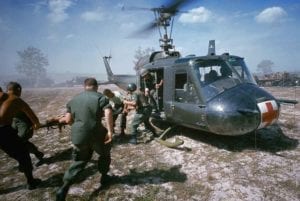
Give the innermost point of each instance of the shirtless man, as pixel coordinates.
(24, 125)
(10, 142)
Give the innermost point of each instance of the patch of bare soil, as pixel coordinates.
(264, 165)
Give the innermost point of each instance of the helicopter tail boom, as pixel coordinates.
(121, 81)
(107, 67)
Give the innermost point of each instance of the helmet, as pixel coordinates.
(131, 87)
(144, 72)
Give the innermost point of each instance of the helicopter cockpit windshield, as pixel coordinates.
(217, 75)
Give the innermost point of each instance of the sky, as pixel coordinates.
(76, 34)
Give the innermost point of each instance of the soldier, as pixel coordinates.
(142, 115)
(23, 124)
(128, 106)
(117, 107)
(10, 142)
(149, 85)
(84, 113)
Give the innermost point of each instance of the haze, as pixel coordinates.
(76, 34)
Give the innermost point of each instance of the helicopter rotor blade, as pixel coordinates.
(146, 30)
(149, 27)
(174, 6)
(166, 11)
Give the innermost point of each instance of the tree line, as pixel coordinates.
(33, 64)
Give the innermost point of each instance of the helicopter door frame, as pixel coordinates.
(159, 77)
(184, 105)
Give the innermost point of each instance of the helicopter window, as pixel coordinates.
(185, 91)
(211, 74)
(190, 93)
(214, 76)
(218, 75)
(180, 80)
(241, 70)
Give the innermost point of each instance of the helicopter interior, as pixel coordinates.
(157, 76)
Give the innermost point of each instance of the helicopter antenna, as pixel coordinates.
(211, 48)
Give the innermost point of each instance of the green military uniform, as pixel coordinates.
(143, 112)
(150, 82)
(88, 133)
(24, 127)
(117, 107)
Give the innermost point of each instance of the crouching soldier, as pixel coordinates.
(142, 115)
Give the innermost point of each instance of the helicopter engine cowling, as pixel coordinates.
(229, 114)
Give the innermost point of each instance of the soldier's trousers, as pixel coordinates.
(82, 153)
(142, 116)
(33, 149)
(152, 99)
(25, 133)
(12, 144)
(123, 120)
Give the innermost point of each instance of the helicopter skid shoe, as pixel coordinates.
(169, 144)
(166, 143)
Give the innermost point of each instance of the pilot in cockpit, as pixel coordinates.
(211, 76)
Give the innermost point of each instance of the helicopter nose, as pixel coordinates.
(269, 113)
(241, 110)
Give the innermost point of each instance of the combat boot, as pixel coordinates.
(133, 139)
(62, 192)
(107, 180)
(32, 184)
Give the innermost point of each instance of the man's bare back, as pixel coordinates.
(10, 105)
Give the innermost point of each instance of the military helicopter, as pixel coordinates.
(211, 93)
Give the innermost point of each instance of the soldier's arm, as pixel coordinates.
(109, 124)
(131, 102)
(67, 119)
(107, 109)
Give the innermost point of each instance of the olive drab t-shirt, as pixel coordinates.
(87, 110)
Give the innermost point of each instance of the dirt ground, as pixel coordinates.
(264, 165)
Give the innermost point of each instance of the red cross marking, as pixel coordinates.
(270, 115)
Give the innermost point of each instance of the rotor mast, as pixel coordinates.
(164, 20)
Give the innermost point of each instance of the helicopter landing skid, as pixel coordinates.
(161, 139)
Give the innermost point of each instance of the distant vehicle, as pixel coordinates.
(212, 93)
